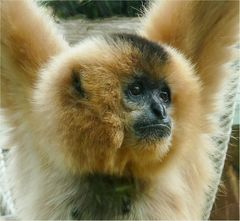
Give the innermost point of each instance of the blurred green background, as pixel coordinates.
(95, 9)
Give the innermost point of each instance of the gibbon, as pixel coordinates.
(117, 126)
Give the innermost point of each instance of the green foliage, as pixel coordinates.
(95, 9)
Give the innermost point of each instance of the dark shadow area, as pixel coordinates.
(95, 9)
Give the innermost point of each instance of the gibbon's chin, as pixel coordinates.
(108, 110)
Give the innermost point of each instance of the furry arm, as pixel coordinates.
(28, 40)
(202, 30)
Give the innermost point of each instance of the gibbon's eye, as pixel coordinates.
(76, 82)
(135, 89)
(165, 95)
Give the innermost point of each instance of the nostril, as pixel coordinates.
(158, 110)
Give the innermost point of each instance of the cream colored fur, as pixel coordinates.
(204, 31)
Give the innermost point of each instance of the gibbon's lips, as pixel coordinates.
(153, 131)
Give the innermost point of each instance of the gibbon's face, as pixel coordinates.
(116, 105)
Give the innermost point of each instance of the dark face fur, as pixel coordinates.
(154, 98)
(144, 92)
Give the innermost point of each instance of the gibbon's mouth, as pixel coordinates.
(153, 131)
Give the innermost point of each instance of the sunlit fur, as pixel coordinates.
(58, 137)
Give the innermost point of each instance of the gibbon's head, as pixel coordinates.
(117, 104)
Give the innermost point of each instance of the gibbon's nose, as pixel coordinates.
(158, 110)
